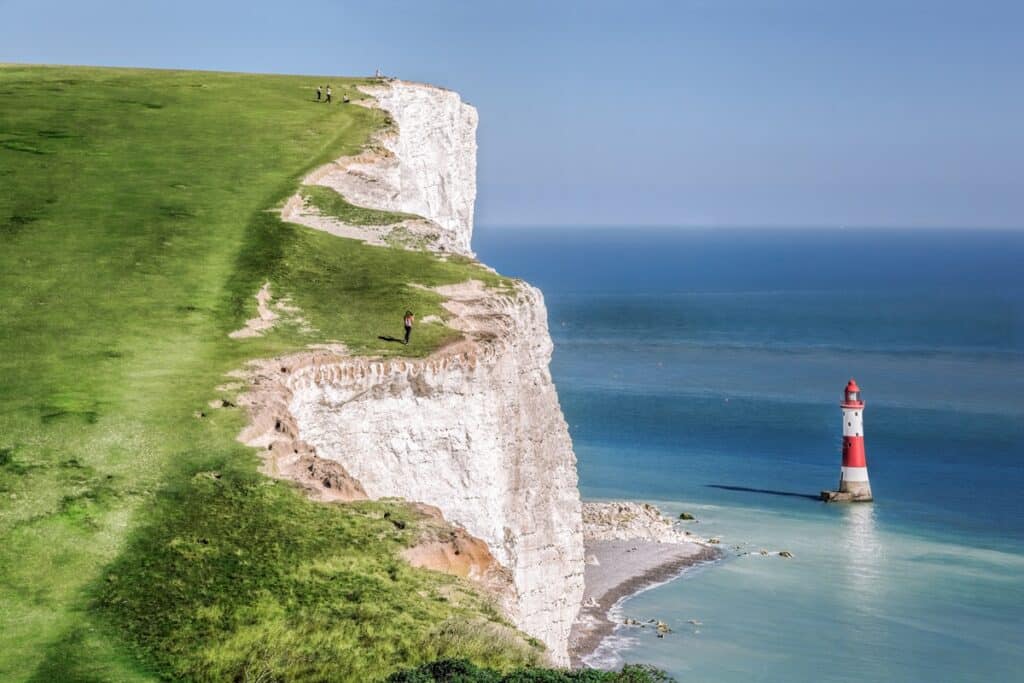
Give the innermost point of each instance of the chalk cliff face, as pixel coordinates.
(425, 165)
(475, 429)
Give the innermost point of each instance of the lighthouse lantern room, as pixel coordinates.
(853, 478)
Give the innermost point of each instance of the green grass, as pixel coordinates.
(258, 584)
(135, 229)
(330, 203)
(355, 294)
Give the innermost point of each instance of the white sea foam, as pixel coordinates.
(606, 655)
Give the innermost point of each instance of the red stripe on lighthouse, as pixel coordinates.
(853, 451)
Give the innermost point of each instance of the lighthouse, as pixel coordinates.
(853, 478)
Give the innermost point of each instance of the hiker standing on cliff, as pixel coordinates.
(328, 94)
(318, 93)
(409, 318)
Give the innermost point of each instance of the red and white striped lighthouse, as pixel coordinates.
(853, 478)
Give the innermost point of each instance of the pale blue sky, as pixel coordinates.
(785, 112)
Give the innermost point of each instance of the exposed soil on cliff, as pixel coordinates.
(446, 548)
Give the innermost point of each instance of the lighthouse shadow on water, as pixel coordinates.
(854, 486)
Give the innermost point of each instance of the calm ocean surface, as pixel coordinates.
(697, 367)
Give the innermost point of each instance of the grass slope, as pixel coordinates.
(135, 228)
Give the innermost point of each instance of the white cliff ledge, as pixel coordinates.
(475, 429)
(423, 164)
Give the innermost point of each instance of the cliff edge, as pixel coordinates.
(475, 429)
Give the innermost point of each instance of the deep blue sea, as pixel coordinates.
(701, 370)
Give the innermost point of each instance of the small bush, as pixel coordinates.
(447, 671)
(462, 671)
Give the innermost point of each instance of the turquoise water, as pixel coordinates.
(701, 370)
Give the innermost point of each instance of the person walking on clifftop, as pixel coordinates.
(409, 318)
(319, 93)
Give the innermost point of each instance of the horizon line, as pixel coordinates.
(750, 226)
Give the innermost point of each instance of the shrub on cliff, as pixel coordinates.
(462, 671)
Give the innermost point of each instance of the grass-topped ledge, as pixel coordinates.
(331, 203)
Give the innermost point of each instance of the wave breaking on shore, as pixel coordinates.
(630, 548)
(611, 637)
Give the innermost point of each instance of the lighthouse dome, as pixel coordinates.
(852, 393)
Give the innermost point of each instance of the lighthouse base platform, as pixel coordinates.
(845, 497)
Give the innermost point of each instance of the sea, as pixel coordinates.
(701, 370)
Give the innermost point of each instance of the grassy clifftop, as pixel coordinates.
(139, 540)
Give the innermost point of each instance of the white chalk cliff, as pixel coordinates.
(424, 164)
(474, 429)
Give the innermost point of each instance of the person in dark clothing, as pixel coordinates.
(328, 94)
(319, 93)
(409, 318)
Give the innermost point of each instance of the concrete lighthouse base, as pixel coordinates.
(847, 496)
(854, 486)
